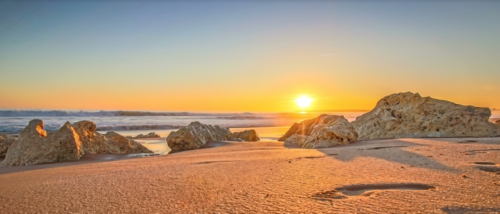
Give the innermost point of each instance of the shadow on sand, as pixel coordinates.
(208, 145)
(393, 150)
(86, 159)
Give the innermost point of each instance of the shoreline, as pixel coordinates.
(145, 131)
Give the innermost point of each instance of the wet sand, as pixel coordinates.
(453, 175)
(157, 145)
(89, 158)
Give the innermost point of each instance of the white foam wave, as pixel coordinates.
(61, 113)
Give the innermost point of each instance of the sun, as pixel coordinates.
(303, 101)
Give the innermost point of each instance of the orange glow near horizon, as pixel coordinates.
(255, 100)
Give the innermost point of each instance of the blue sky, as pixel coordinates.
(346, 54)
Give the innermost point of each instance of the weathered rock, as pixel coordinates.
(5, 142)
(247, 135)
(149, 135)
(410, 115)
(70, 142)
(321, 132)
(93, 142)
(35, 146)
(290, 132)
(118, 144)
(298, 139)
(196, 135)
(338, 132)
(67, 142)
(110, 143)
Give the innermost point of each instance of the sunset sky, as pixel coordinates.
(245, 56)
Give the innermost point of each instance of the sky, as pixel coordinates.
(245, 56)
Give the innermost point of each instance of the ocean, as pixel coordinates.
(140, 122)
(14, 121)
(269, 126)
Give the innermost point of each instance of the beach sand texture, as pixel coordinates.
(431, 175)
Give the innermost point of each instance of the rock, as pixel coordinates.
(290, 132)
(118, 144)
(5, 142)
(67, 142)
(497, 122)
(337, 132)
(35, 146)
(110, 143)
(410, 115)
(70, 142)
(321, 132)
(298, 139)
(247, 135)
(196, 135)
(149, 135)
(93, 142)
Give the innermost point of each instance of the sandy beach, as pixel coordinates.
(433, 175)
(249, 107)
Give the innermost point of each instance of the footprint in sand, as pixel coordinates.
(368, 190)
(473, 152)
(485, 163)
(384, 147)
(488, 167)
(467, 141)
(209, 162)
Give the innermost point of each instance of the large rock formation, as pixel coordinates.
(35, 146)
(410, 115)
(5, 142)
(70, 142)
(247, 135)
(110, 143)
(196, 135)
(320, 132)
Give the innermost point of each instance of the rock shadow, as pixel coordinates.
(391, 150)
(208, 145)
(214, 144)
(291, 146)
(86, 159)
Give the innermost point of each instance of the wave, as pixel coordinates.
(137, 127)
(61, 113)
(14, 121)
(119, 127)
(242, 117)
